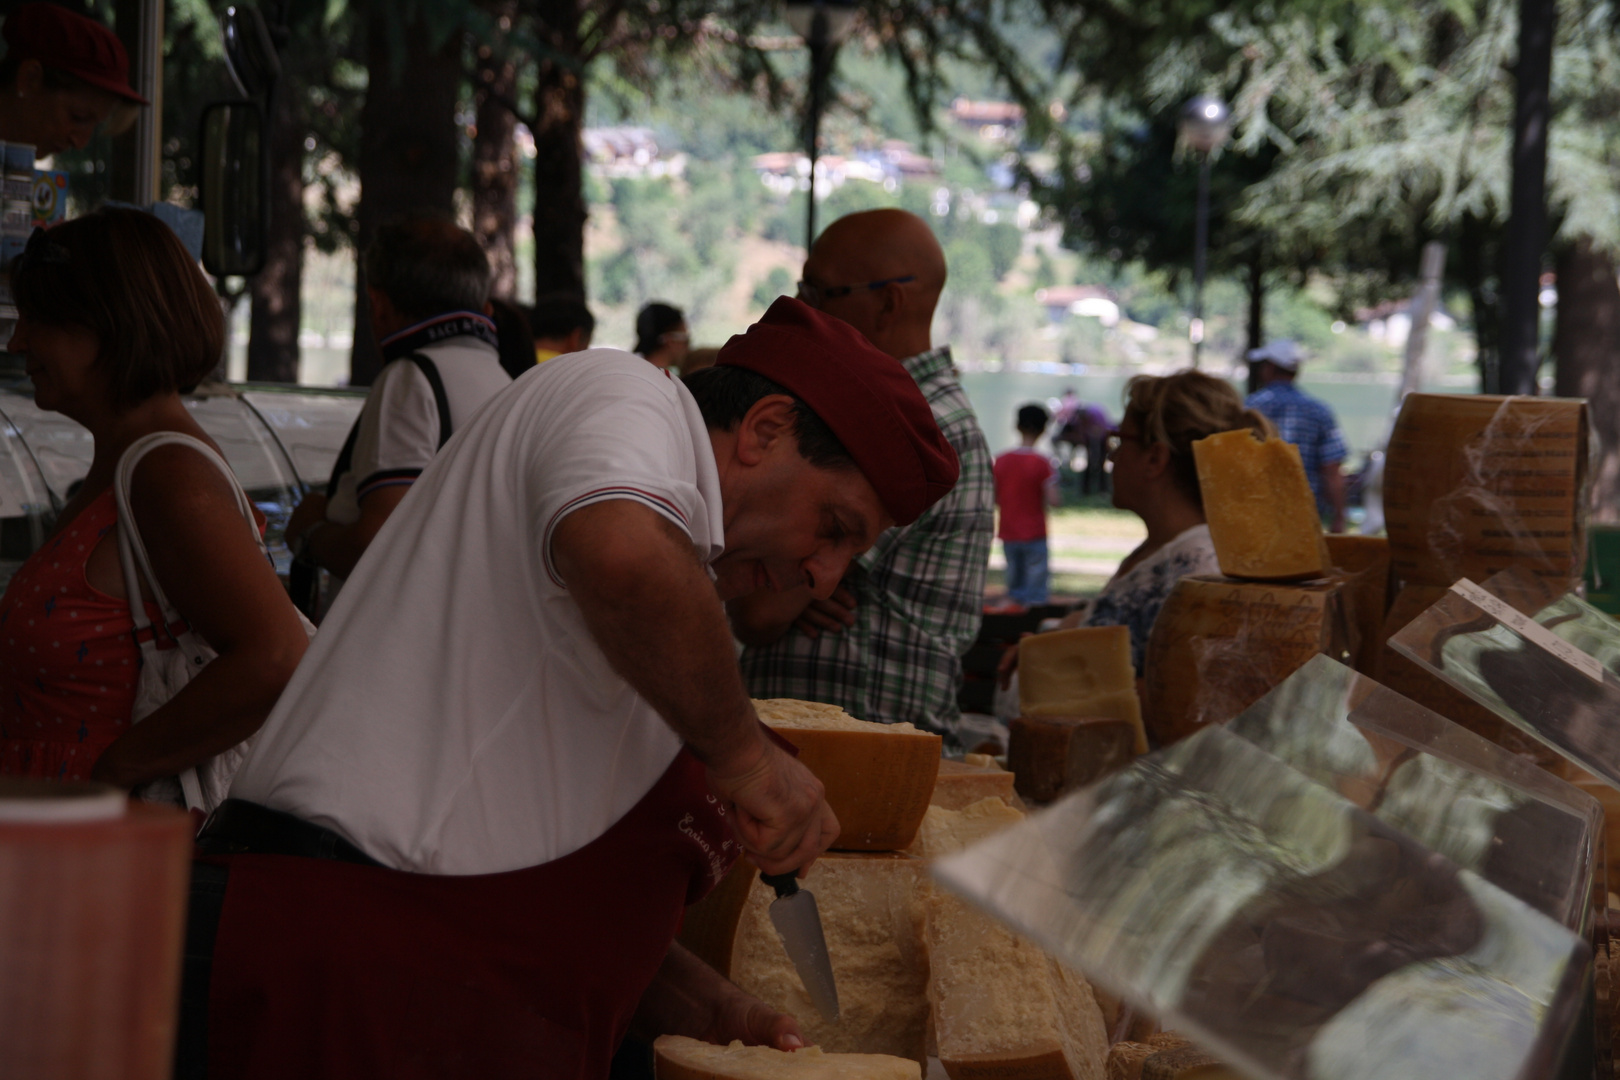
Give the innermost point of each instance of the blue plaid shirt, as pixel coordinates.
(1308, 424)
(919, 594)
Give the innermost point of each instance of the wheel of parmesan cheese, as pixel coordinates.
(678, 1058)
(879, 777)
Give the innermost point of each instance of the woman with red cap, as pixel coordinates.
(63, 76)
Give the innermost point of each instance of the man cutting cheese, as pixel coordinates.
(520, 745)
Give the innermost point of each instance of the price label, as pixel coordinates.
(1529, 629)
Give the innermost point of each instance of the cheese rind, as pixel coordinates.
(1123, 705)
(676, 1057)
(960, 784)
(1364, 563)
(872, 915)
(878, 777)
(1056, 754)
(1263, 519)
(1218, 646)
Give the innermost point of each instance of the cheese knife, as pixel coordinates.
(798, 924)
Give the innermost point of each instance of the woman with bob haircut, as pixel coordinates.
(115, 322)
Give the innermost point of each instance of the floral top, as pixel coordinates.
(1133, 599)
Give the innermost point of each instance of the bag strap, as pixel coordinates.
(441, 401)
(132, 554)
(430, 372)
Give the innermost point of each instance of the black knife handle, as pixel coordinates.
(785, 884)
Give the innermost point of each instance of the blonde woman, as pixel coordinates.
(1156, 479)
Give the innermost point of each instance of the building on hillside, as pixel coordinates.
(1086, 301)
(893, 163)
(994, 121)
(629, 152)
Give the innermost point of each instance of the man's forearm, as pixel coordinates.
(655, 614)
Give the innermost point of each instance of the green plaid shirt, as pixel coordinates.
(919, 594)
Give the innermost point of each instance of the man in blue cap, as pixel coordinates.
(1304, 421)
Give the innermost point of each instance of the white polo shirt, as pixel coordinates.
(454, 715)
(399, 423)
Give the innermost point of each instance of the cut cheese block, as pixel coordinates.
(1429, 690)
(879, 777)
(1086, 671)
(944, 831)
(1263, 519)
(1364, 563)
(1475, 484)
(872, 914)
(959, 784)
(1218, 646)
(1001, 1009)
(675, 1057)
(1051, 755)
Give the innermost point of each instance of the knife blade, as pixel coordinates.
(798, 924)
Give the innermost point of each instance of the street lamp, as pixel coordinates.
(823, 25)
(1206, 124)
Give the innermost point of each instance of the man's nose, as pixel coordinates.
(825, 569)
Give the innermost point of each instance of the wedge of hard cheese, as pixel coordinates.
(1262, 516)
(1082, 672)
(960, 783)
(1002, 1010)
(879, 777)
(675, 1057)
(872, 915)
(1051, 755)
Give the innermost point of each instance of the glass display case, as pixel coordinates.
(280, 442)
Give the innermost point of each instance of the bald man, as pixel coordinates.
(887, 645)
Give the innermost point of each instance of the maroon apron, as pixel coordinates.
(327, 969)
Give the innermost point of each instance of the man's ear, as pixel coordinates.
(894, 306)
(30, 78)
(766, 429)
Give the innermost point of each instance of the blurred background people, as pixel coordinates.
(661, 335)
(1304, 421)
(561, 324)
(1026, 484)
(115, 322)
(63, 76)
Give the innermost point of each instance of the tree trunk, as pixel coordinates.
(559, 160)
(1525, 242)
(276, 307)
(1586, 352)
(1477, 247)
(408, 144)
(1257, 296)
(494, 170)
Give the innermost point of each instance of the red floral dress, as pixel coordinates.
(68, 658)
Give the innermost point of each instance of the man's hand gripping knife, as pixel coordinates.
(655, 614)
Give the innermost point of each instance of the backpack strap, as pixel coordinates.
(430, 372)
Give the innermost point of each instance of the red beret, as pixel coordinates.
(865, 396)
(82, 47)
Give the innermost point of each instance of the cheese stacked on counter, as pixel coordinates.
(879, 777)
(1080, 716)
(1262, 516)
(1165, 1056)
(961, 783)
(679, 1058)
(883, 921)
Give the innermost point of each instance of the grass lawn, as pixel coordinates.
(1086, 538)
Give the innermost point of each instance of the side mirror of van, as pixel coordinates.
(234, 188)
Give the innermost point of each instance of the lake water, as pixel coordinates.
(1364, 404)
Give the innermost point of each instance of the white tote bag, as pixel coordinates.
(165, 671)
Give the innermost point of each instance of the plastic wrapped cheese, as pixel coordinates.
(1219, 645)
(1364, 563)
(1263, 519)
(676, 1057)
(879, 777)
(1475, 484)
